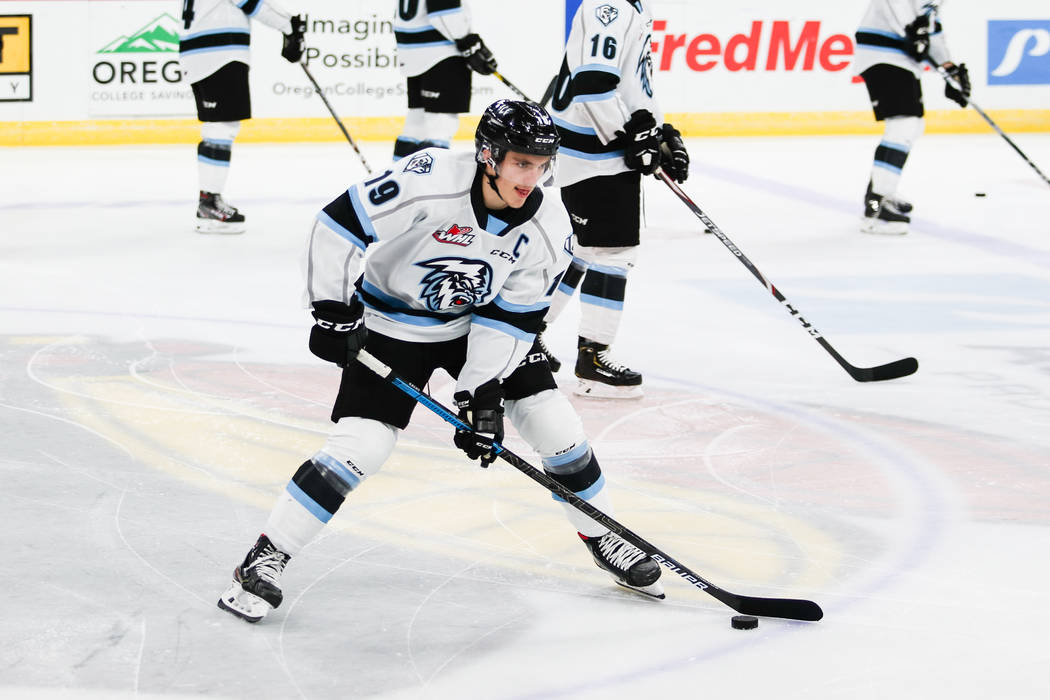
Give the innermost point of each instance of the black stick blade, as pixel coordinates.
(787, 608)
(893, 370)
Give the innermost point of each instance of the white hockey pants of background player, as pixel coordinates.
(602, 290)
(899, 135)
(214, 153)
(358, 448)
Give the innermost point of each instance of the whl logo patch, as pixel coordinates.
(159, 36)
(457, 235)
(1019, 52)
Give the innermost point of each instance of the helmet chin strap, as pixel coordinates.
(492, 178)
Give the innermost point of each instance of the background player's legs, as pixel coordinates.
(602, 295)
(435, 100)
(896, 100)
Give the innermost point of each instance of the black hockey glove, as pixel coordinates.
(483, 412)
(295, 43)
(918, 35)
(641, 142)
(478, 56)
(339, 331)
(961, 76)
(674, 159)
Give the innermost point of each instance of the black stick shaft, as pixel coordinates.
(789, 608)
(320, 93)
(511, 85)
(892, 370)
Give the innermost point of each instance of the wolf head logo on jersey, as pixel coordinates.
(606, 14)
(455, 283)
(420, 164)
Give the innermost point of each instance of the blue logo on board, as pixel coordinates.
(1019, 52)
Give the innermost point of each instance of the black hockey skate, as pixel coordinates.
(882, 215)
(603, 377)
(631, 567)
(540, 346)
(214, 215)
(256, 587)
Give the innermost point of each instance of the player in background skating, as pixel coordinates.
(612, 134)
(471, 249)
(436, 52)
(895, 41)
(214, 53)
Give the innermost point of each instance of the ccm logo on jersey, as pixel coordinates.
(1019, 52)
(457, 235)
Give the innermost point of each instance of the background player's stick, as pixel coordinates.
(342, 128)
(549, 92)
(948, 79)
(789, 608)
(511, 85)
(893, 370)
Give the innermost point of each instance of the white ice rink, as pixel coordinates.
(156, 393)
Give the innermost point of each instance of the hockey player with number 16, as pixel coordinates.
(612, 133)
(464, 252)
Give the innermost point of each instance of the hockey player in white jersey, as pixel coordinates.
(464, 252)
(895, 41)
(214, 53)
(437, 50)
(612, 133)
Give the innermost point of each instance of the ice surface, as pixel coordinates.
(156, 393)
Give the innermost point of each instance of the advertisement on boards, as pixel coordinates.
(16, 58)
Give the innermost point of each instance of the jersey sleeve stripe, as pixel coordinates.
(346, 233)
(503, 327)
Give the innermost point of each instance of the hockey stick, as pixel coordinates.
(549, 92)
(948, 79)
(892, 370)
(342, 128)
(788, 608)
(511, 85)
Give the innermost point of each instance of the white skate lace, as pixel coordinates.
(605, 358)
(621, 553)
(223, 208)
(270, 564)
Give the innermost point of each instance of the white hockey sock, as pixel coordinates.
(213, 154)
(291, 526)
(892, 153)
(583, 523)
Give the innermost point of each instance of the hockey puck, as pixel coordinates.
(979, 194)
(744, 622)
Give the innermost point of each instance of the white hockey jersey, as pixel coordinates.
(439, 264)
(426, 32)
(219, 32)
(606, 75)
(881, 37)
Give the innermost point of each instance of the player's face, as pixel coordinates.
(519, 174)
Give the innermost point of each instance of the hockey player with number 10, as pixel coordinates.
(464, 252)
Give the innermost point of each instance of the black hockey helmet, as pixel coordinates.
(510, 125)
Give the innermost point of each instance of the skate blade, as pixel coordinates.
(220, 227)
(883, 228)
(243, 604)
(597, 390)
(653, 590)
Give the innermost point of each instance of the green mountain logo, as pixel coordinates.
(160, 35)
